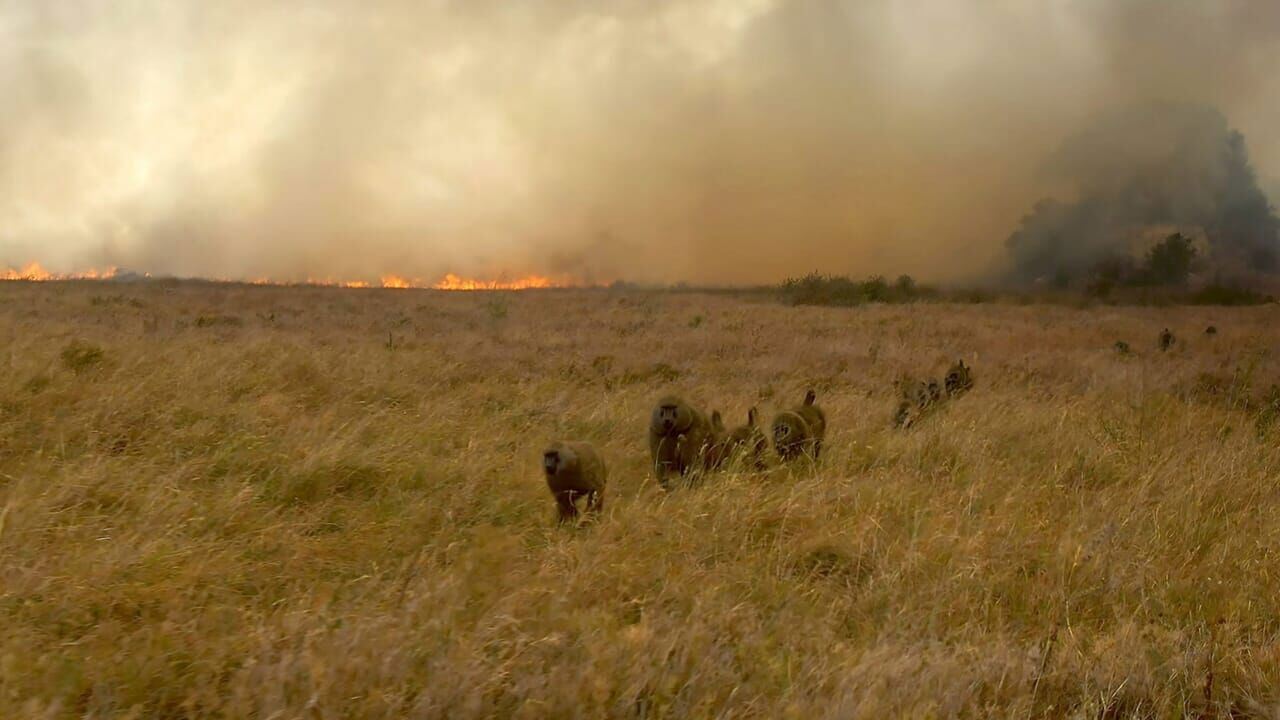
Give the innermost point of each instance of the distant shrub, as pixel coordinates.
(37, 384)
(218, 320)
(839, 290)
(1228, 295)
(659, 371)
(81, 357)
(496, 308)
(115, 300)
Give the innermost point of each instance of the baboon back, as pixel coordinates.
(589, 475)
(815, 419)
(746, 442)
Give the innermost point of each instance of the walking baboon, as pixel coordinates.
(574, 470)
(717, 448)
(959, 379)
(679, 437)
(935, 392)
(1211, 330)
(745, 443)
(800, 431)
(1166, 340)
(916, 397)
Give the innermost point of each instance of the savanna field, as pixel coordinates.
(266, 502)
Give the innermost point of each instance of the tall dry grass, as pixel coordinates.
(304, 503)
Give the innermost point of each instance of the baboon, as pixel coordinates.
(800, 430)
(1166, 340)
(935, 392)
(1211, 330)
(1122, 347)
(959, 379)
(916, 398)
(746, 443)
(717, 447)
(679, 437)
(574, 470)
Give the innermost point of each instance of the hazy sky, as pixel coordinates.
(714, 141)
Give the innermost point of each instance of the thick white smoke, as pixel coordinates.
(704, 140)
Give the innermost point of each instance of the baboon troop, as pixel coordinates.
(684, 443)
(800, 430)
(917, 397)
(574, 470)
(1164, 341)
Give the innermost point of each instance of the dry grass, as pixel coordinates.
(307, 503)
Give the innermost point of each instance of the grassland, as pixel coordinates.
(222, 501)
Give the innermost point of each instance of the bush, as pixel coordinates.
(496, 308)
(1228, 295)
(205, 321)
(840, 290)
(81, 357)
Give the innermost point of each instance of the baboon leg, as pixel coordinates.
(565, 503)
(595, 501)
(663, 470)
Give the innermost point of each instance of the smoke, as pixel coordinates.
(700, 140)
(1156, 167)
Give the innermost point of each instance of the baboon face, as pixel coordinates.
(671, 416)
(958, 378)
(790, 435)
(786, 431)
(553, 461)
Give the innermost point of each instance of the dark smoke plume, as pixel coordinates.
(1139, 173)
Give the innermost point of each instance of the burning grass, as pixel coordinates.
(35, 272)
(288, 515)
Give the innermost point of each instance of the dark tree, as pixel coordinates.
(1169, 263)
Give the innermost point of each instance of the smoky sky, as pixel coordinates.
(710, 141)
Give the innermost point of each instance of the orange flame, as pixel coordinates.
(35, 272)
(529, 282)
(395, 281)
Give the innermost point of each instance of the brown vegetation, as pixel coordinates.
(332, 507)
